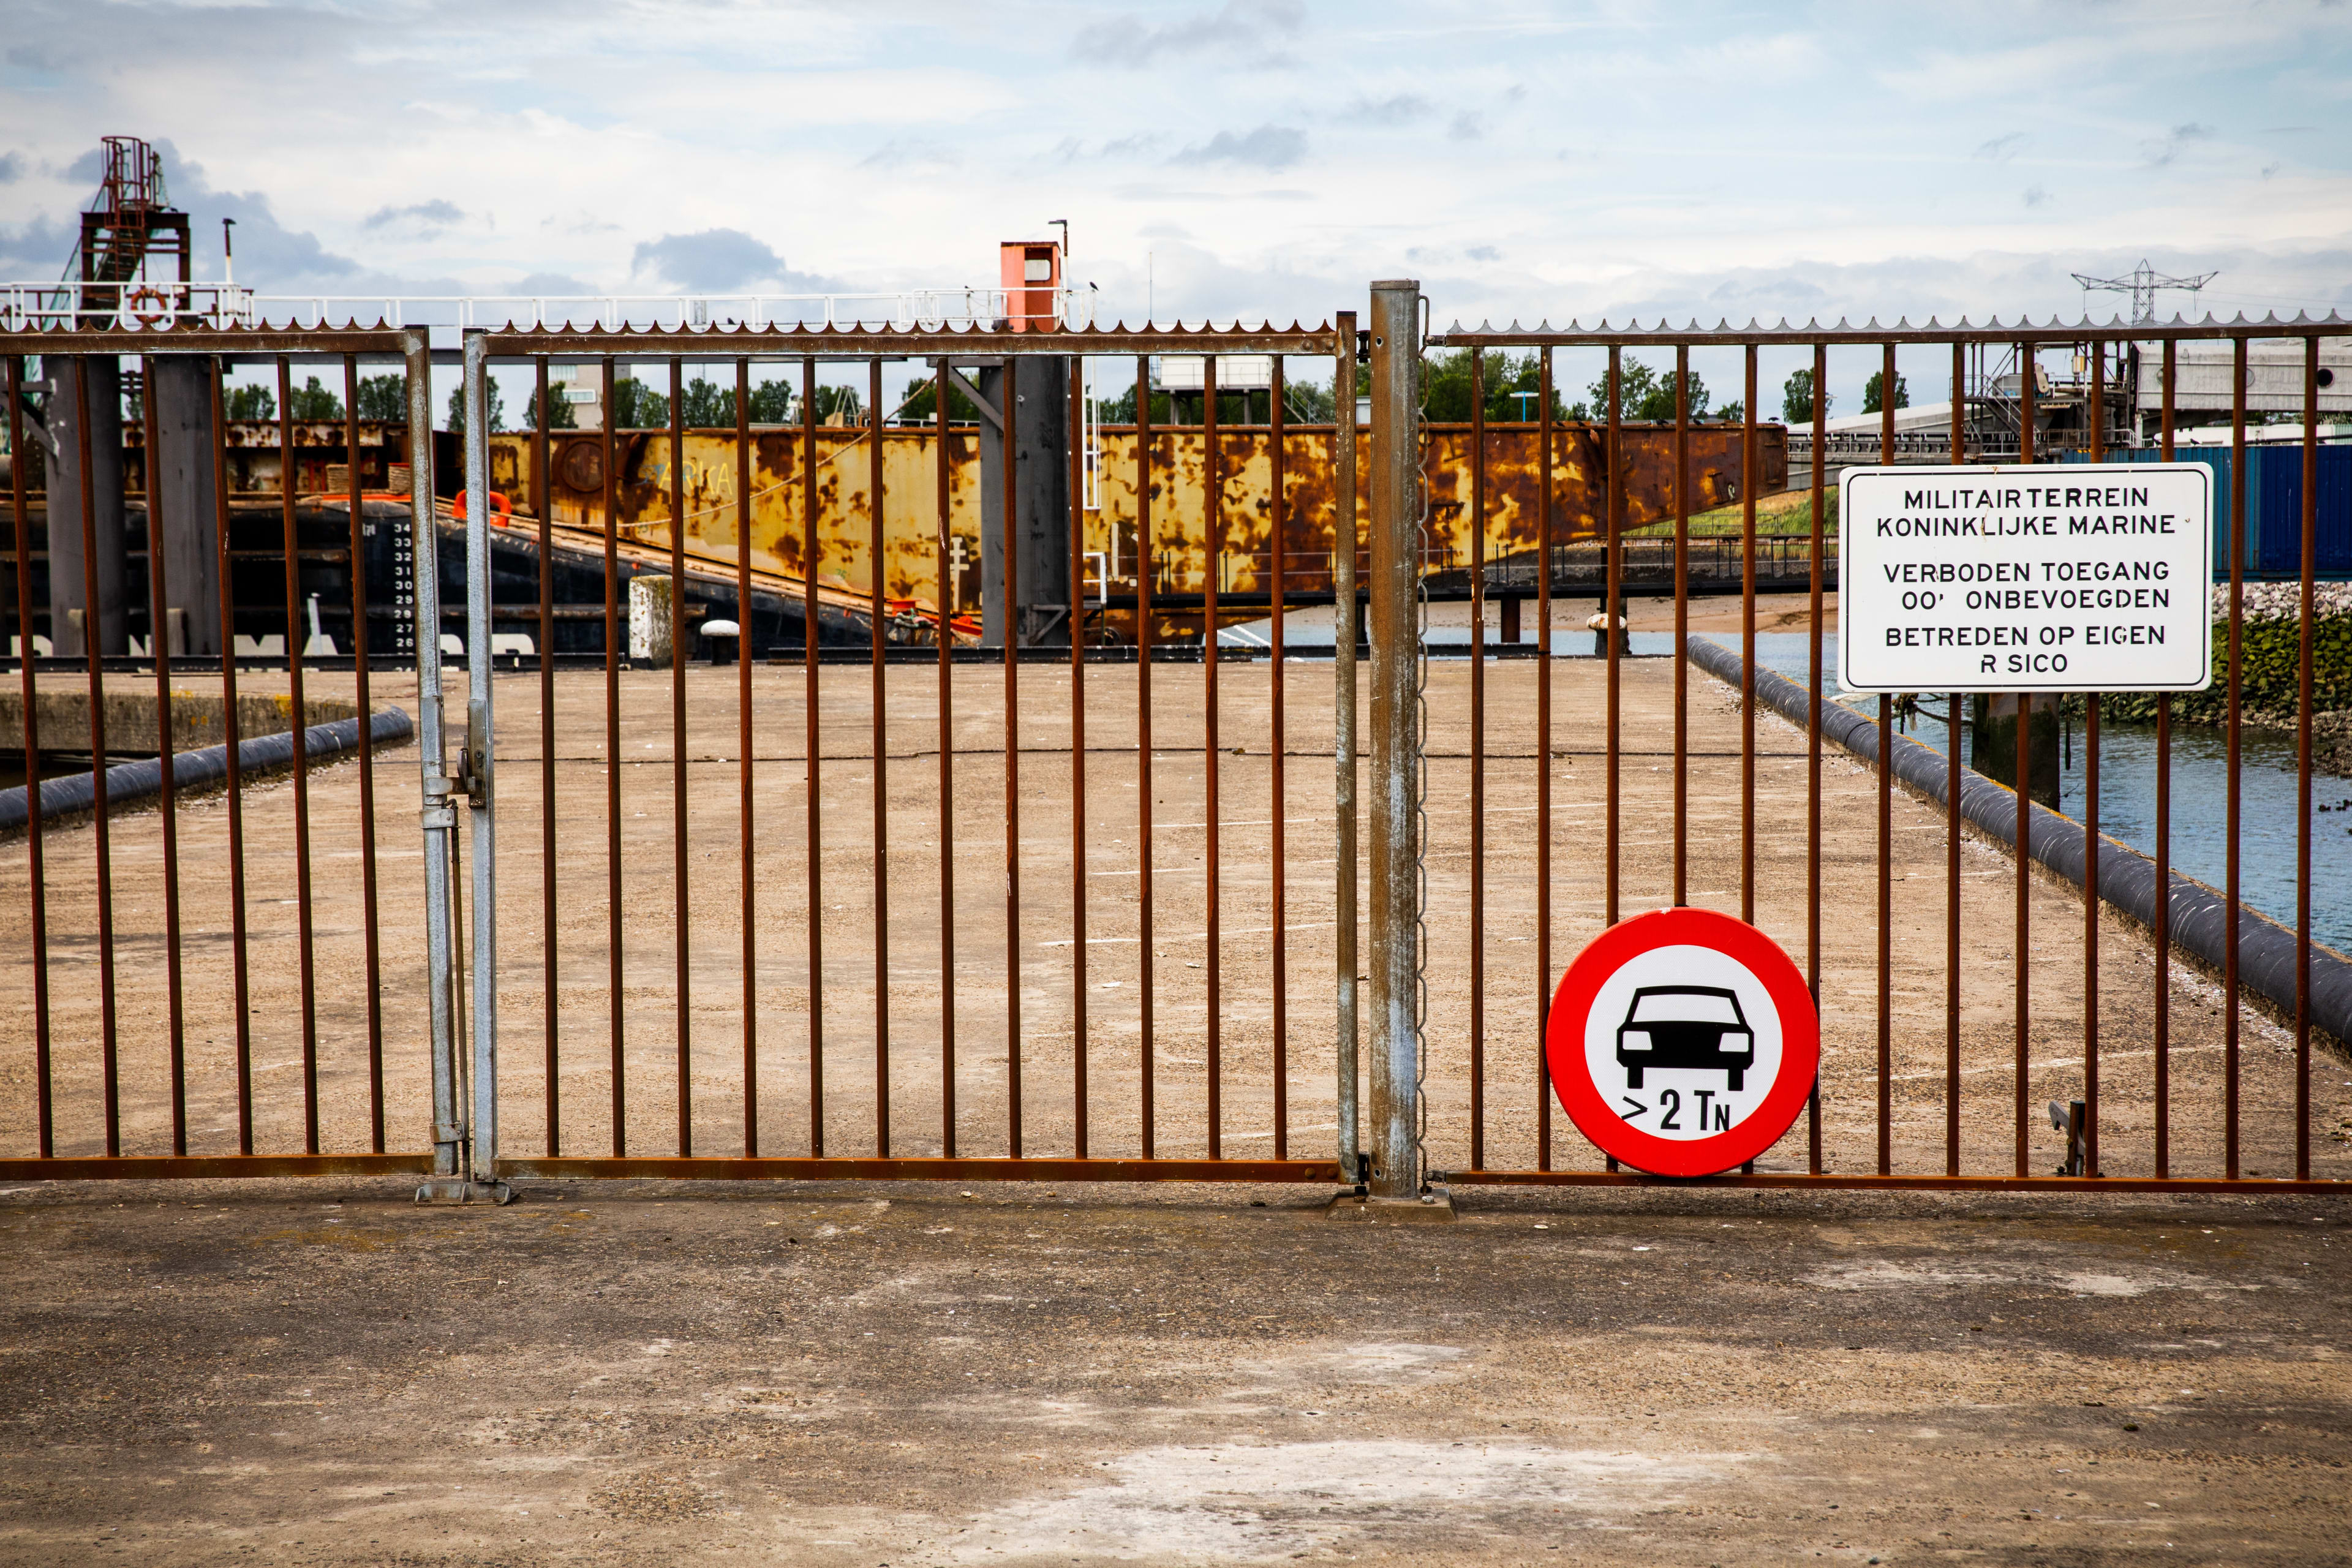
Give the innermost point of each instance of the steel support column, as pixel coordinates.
(1395, 787)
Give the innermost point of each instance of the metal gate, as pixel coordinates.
(873, 902)
(901, 916)
(173, 1019)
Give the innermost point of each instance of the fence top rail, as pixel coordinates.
(1487, 335)
(802, 342)
(236, 341)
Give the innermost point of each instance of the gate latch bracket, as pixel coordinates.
(474, 778)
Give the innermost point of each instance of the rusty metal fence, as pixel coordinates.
(1902, 1105)
(1020, 911)
(149, 1060)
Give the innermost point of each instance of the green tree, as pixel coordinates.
(705, 408)
(1308, 402)
(1797, 398)
(923, 404)
(1445, 387)
(771, 404)
(312, 401)
(457, 409)
(560, 416)
(384, 397)
(1875, 388)
(1641, 393)
(1121, 410)
(1734, 412)
(636, 407)
(251, 403)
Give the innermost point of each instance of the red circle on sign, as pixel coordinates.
(1604, 1123)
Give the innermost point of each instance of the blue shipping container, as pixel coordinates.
(2274, 541)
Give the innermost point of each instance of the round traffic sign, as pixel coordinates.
(1682, 1042)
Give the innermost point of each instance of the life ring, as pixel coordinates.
(147, 294)
(500, 506)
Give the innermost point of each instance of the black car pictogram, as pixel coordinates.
(1686, 1026)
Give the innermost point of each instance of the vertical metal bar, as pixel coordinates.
(1397, 789)
(1278, 528)
(1682, 624)
(158, 601)
(1009, 401)
(1886, 402)
(811, 737)
(93, 643)
(481, 741)
(361, 627)
(232, 735)
(438, 815)
(1477, 759)
(2304, 675)
(747, 844)
(878, 615)
(1612, 472)
(2161, 1024)
(1886, 929)
(1543, 751)
(1951, 815)
(1343, 702)
(1078, 569)
(2090, 935)
(305, 955)
(1748, 466)
(1212, 534)
(947, 597)
(1143, 728)
(615, 981)
(2239, 532)
(2098, 454)
(36, 880)
(543, 502)
(2023, 752)
(680, 894)
(1813, 631)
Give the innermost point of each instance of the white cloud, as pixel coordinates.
(1732, 162)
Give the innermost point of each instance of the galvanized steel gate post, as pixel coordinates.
(1396, 783)
(437, 815)
(465, 1125)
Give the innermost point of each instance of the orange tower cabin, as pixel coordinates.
(1030, 273)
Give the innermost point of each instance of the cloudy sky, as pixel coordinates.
(1260, 159)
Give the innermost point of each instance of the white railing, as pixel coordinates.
(158, 306)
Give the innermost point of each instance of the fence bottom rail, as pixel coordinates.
(206, 1167)
(923, 1169)
(2241, 1187)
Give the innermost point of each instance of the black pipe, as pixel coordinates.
(2266, 950)
(73, 793)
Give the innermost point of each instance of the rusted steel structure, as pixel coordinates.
(636, 938)
(849, 461)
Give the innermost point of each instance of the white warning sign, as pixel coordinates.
(2054, 577)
